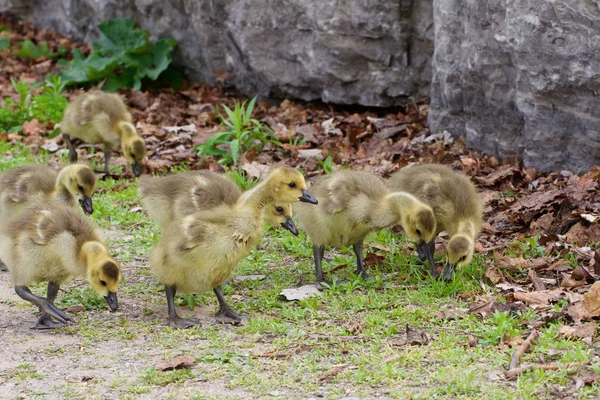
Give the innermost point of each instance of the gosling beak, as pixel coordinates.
(307, 197)
(290, 226)
(447, 272)
(86, 205)
(137, 169)
(111, 299)
(424, 249)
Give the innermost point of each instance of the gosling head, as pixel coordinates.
(281, 214)
(289, 186)
(133, 147)
(419, 225)
(459, 253)
(79, 180)
(103, 273)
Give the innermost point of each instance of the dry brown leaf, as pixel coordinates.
(577, 312)
(175, 363)
(540, 297)
(414, 337)
(32, 128)
(578, 332)
(581, 273)
(256, 170)
(591, 300)
(77, 308)
(492, 274)
(515, 341)
(512, 263)
(373, 259)
(538, 285)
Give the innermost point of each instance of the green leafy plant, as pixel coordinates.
(531, 248)
(124, 56)
(502, 324)
(47, 106)
(326, 164)
(27, 49)
(242, 134)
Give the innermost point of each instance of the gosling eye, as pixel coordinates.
(292, 185)
(80, 188)
(279, 209)
(463, 259)
(418, 232)
(103, 283)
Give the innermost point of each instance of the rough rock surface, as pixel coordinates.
(520, 77)
(370, 52)
(517, 77)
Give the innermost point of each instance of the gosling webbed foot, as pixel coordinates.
(227, 315)
(362, 273)
(323, 284)
(177, 322)
(54, 312)
(434, 272)
(47, 322)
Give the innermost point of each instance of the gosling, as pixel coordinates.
(102, 118)
(49, 242)
(169, 198)
(200, 251)
(21, 185)
(457, 208)
(352, 205)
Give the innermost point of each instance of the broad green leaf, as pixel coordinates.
(124, 80)
(4, 43)
(119, 37)
(97, 67)
(76, 69)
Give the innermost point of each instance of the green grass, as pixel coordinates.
(291, 346)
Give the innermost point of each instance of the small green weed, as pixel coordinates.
(242, 134)
(530, 248)
(163, 378)
(82, 295)
(243, 181)
(124, 56)
(502, 325)
(326, 165)
(47, 106)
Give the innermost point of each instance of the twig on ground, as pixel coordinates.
(551, 367)
(333, 372)
(514, 363)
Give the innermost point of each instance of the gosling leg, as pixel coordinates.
(175, 321)
(360, 267)
(43, 304)
(107, 153)
(224, 309)
(318, 254)
(46, 321)
(72, 151)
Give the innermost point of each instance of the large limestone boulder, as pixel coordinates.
(517, 77)
(370, 52)
(520, 77)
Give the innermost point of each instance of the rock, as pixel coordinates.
(519, 78)
(353, 52)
